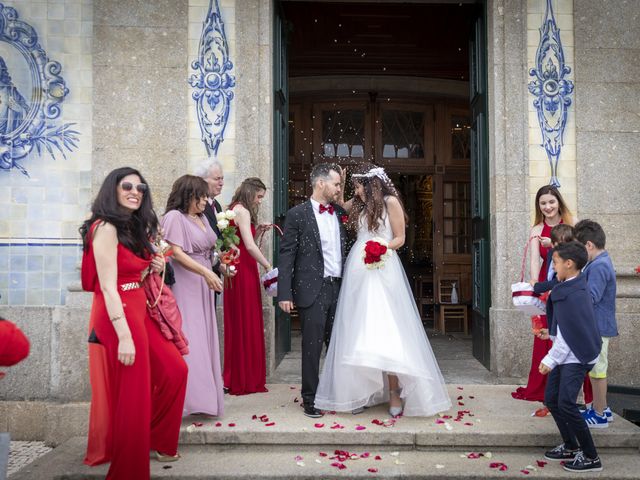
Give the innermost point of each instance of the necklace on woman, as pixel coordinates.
(193, 215)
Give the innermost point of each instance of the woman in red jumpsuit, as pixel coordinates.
(138, 377)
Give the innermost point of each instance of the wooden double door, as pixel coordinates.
(424, 145)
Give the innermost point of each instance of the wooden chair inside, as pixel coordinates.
(451, 312)
(423, 291)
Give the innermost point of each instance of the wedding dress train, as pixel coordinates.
(378, 330)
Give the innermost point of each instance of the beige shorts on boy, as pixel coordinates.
(599, 370)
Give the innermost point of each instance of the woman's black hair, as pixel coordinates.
(135, 229)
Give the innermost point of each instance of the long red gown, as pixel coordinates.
(534, 391)
(137, 408)
(244, 351)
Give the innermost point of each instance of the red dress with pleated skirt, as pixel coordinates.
(244, 351)
(536, 383)
(136, 408)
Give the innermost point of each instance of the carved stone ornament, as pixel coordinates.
(552, 90)
(213, 84)
(31, 91)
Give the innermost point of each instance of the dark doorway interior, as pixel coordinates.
(389, 83)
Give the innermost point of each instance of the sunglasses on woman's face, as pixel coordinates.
(128, 186)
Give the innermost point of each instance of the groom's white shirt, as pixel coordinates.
(330, 239)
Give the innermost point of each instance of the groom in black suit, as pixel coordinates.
(312, 253)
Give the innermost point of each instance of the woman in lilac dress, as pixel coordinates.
(189, 233)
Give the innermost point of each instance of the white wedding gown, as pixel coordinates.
(377, 330)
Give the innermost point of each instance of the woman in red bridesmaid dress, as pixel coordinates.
(550, 211)
(138, 378)
(244, 351)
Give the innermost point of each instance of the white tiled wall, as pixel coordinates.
(40, 215)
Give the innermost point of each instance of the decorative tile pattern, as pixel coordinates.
(40, 214)
(213, 83)
(29, 102)
(552, 90)
(552, 127)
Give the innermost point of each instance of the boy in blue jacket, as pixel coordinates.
(576, 346)
(601, 278)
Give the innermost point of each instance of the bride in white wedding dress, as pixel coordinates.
(379, 351)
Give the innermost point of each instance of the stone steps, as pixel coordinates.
(241, 445)
(493, 419)
(201, 462)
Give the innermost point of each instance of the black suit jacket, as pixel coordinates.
(213, 221)
(571, 307)
(211, 215)
(300, 260)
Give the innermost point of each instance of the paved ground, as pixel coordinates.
(23, 453)
(453, 353)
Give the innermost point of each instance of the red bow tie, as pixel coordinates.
(329, 208)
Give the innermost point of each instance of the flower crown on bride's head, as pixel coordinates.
(374, 172)
(381, 174)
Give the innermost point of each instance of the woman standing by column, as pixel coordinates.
(244, 351)
(139, 380)
(188, 231)
(551, 210)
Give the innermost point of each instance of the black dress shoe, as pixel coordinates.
(312, 412)
(225, 390)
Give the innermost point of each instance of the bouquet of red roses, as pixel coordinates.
(375, 253)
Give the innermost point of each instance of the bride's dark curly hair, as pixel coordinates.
(375, 190)
(135, 229)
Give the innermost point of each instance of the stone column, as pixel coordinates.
(511, 339)
(140, 89)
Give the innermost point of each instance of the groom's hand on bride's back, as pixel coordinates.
(286, 306)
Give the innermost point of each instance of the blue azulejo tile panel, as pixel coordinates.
(17, 297)
(35, 296)
(51, 281)
(69, 263)
(18, 263)
(52, 262)
(35, 263)
(52, 297)
(34, 280)
(37, 273)
(17, 281)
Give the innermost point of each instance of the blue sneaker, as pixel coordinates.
(609, 414)
(594, 420)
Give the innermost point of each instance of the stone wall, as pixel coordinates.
(607, 38)
(140, 90)
(598, 164)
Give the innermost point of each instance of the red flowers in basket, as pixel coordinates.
(375, 253)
